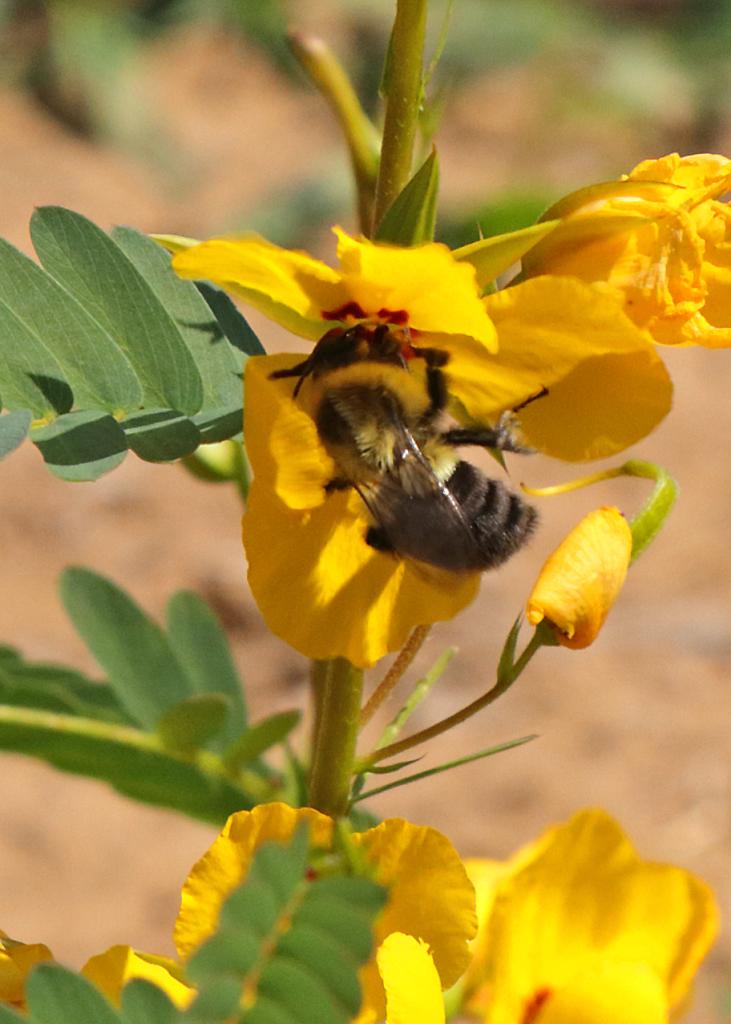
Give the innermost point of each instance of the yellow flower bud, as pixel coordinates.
(581, 579)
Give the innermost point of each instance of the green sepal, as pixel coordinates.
(411, 218)
(493, 256)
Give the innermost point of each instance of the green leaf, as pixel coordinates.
(14, 427)
(129, 759)
(231, 320)
(30, 376)
(260, 737)
(135, 653)
(94, 269)
(220, 424)
(8, 1016)
(54, 688)
(219, 365)
(202, 649)
(144, 1003)
(411, 218)
(99, 373)
(190, 724)
(58, 996)
(161, 435)
(488, 752)
(81, 445)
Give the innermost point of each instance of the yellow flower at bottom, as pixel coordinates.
(578, 929)
(413, 991)
(111, 971)
(581, 579)
(430, 896)
(17, 959)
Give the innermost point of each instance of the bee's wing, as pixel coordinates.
(417, 515)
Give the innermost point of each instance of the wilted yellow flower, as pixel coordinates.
(578, 929)
(430, 897)
(17, 959)
(581, 580)
(661, 237)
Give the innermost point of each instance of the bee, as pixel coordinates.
(377, 413)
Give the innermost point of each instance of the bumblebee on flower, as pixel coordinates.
(412, 325)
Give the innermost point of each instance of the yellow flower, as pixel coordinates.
(581, 580)
(319, 585)
(111, 971)
(430, 896)
(17, 959)
(413, 990)
(578, 929)
(660, 236)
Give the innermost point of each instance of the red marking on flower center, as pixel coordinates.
(534, 1004)
(311, 875)
(393, 316)
(349, 309)
(353, 310)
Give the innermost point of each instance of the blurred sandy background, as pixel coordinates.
(157, 116)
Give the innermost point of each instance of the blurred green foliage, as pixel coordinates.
(622, 63)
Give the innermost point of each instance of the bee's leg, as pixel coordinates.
(500, 436)
(338, 483)
(376, 538)
(300, 370)
(436, 383)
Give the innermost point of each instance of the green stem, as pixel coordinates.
(56, 723)
(504, 682)
(403, 88)
(337, 689)
(328, 75)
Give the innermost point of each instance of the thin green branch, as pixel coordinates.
(504, 681)
(328, 75)
(414, 699)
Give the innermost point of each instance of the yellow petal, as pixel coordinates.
(485, 875)
(290, 287)
(431, 898)
(226, 863)
(281, 438)
(581, 580)
(607, 387)
(697, 171)
(17, 960)
(581, 896)
(111, 971)
(306, 550)
(439, 294)
(623, 993)
(413, 991)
